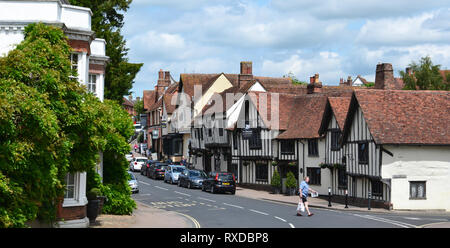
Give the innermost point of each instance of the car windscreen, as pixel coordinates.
(141, 160)
(197, 174)
(226, 176)
(160, 166)
(178, 169)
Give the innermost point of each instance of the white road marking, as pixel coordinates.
(161, 188)
(206, 199)
(182, 193)
(231, 205)
(258, 212)
(280, 218)
(392, 222)
(292, 226)
(144, 183)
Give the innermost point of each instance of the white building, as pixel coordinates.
(88, 57)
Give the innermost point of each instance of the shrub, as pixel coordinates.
(291, 182)
(276, 179)
(119, 201)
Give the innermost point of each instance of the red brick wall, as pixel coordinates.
(80, 46)
(70, 213)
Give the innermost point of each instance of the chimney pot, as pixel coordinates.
(312, 80)
(316, 78)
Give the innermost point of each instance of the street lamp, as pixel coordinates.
(329, 196)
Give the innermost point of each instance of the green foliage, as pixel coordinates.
(369, 85)
(139, 107)
(93, 194)
(276, 179)
(107, 21)
(49, 126)
(425, 76)
(119, 200)
(291, 182)
(294, 79)
(331, 166)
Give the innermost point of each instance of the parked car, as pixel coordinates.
(191, 178)
(133, 183)
(136, 163)
(172, 173)
(157, 170)
(145, 167)
(129, 157)
(220, 182)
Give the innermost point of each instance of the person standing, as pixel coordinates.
(304, 190)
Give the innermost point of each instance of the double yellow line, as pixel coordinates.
(197, 225)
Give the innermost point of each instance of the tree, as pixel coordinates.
(49, 126)
(107, 21)
(424, 76)
(139, 107)
(294, 79)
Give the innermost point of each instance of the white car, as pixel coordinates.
(137, 163)
(129, 157)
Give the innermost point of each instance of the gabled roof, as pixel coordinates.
(149, 98)
(339, 106)
(403, 116)
(127, 102)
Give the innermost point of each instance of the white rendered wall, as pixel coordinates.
(325, 180)
(418, 163)
(9, 38)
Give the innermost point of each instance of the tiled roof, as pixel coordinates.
(305, 117)
(127, 102)
(339, 106)
(149, 98)
(404, 116)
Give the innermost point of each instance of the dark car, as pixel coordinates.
(220, 182)
(157, 170)
(144, 169)
(191, 178)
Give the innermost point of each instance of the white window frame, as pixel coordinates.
(77, 64)
(79, 197)
(89, 83)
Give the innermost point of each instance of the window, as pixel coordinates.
(178, 147)
(287, 147)
(235, 142)
(313, 148)
(70, 186)
(314, 175)
(342, 178)
(363, 153)
(417, 190)
(262, 172)
(377, 188)
(92, 83)
(255, 141)
(247, 112)
(335, 136)
(209, 132)
(220, 131)
(74, 63)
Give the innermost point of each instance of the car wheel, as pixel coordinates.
(171, 181)
(233, 192)
(179, 183)
(203, 188)
(189, 185)
(213, 190)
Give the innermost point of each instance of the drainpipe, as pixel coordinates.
(303, 155)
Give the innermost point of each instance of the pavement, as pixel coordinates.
(145, 217)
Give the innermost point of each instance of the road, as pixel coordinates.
(208, 210)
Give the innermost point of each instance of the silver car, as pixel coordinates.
(173, 172)
(133, 183)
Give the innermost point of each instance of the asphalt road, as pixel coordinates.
(232, 211)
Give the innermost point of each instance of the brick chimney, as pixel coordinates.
(341, 82)
(246, 74)
(314, 86)
(349, 80)
(384, 77)
(162, 84)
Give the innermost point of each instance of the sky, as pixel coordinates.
(335, 38)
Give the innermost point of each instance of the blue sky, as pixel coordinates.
(335, 38)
